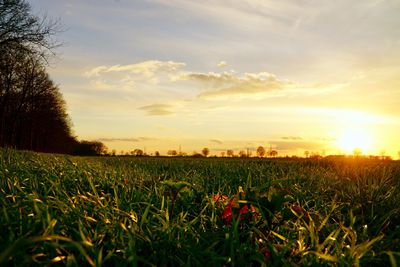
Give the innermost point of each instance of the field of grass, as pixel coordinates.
(113, 211)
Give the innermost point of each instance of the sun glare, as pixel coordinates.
(353, 139)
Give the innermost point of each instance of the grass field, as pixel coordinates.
(130, 211)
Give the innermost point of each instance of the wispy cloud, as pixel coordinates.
(112, 139)
(117, 139)
(260, 84)
(147, 68)
(292, 138)
(216, 141)
(297, 145)
(132, 76)
(230, 83)
(171, 76)
(158, 109)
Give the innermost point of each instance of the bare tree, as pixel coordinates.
(21, 30)
(32, 110)
(260, 151)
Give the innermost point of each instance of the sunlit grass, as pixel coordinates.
(160, 211)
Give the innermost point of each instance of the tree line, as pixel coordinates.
(33, 112)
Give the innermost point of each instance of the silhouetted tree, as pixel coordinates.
(32, 111)
(138, 152)
(90, 148)
(242, 154)
(157, 154)
(230, 153)
(196, 155)
(23, 31)
(272, 153)
(307, 153)
(260, 151)
(172, 153)
(205, 152)
(248, 152)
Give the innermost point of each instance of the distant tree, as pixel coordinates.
(138, 152)
(172, 153)
(157, 154)
(222, 154)
(113, 152)
(248, 152)
(315, 155)
(307, 153)
(242, 154)
(273, 153)
(205, 152)
(260, 152)
(90, 148)
(357, 152)
(196, 155)
(230, 153)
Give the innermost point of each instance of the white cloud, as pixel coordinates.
(165, 82)
(230, 83)
(147, 68)
(158, 109)
(222, 64)
(132, 76)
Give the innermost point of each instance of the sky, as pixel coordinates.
(293, 75)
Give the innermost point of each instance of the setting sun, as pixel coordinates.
(352, 139)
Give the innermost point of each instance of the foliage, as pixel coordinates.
(21, 31)
(32, 110)
(90, 148)
(123, 211)
(205, 151)
(260, 151)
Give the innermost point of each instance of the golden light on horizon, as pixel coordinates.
(355, 138)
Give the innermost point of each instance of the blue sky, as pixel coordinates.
(231, 74)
